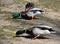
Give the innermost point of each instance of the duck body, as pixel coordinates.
(34, 12)
(38, 31)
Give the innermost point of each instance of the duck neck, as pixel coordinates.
(29, 32)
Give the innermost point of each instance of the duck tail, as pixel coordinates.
(52, 31)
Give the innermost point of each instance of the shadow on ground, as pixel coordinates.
(30, 37)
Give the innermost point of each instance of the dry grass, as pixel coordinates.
(53, 4)
(16, 24)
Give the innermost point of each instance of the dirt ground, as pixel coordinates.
(9, 26)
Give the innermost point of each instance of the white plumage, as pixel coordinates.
(34, 12)
(36, 9)
(42, 32)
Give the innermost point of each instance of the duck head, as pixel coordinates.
(18, 33)
(16, 15)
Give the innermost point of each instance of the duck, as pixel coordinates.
(30, 14)
(36, 32)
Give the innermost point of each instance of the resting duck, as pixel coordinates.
(30, 14)
(36, 31)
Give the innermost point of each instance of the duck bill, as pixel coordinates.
(14, 35)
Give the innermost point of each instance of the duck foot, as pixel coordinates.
(36, 36)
